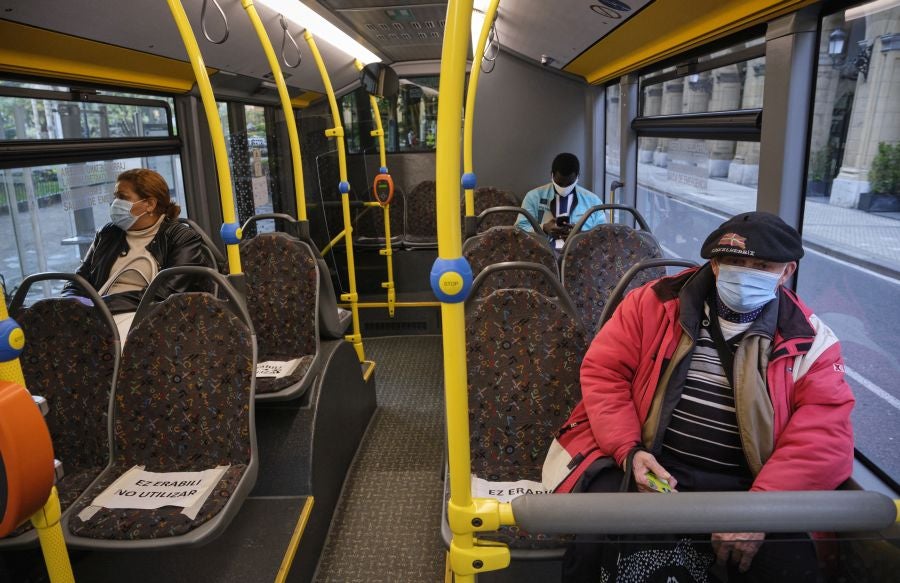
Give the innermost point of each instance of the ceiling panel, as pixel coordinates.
(408, 30)
(147, 26)
(562, 29)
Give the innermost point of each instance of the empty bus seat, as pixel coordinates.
(420, 218)
(488, 197)
(282, 298)
(333, 322)
(368, 228)
(508, 243)
(594, 261)
(523, 355)
(184, 403)
(70, 358)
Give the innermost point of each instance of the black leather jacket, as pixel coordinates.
(175, 244)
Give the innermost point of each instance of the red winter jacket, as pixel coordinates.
(808, 408)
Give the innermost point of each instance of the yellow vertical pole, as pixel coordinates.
(451, 279)
(231, 231)
(469, 180)
(382, 156)
(337, 132)
(289, 119)
(45, 520)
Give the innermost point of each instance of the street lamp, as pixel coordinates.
(837, 44)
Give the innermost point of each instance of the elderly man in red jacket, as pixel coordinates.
(715, 379)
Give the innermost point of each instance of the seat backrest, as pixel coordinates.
(282, 295)
(594, 261)
(185, 390)
(489, 197)
(421, 212)
(509, 243)
(370, 220)
(70, 358)
(523, 354)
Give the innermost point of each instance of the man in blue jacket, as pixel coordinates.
(559, 205)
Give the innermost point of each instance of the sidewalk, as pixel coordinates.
(867, 239)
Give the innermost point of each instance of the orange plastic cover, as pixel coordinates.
(383, 189)
(27, 457)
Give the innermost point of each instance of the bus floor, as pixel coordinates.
(387, 526)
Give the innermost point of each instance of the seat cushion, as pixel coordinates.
(138, 524)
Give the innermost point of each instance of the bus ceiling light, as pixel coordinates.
(869, 8)
(479, 7)
(306, 17)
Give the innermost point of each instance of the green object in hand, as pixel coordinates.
(658, 484)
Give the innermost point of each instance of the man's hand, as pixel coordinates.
(737, 547)
(643, 462)
(550, 228)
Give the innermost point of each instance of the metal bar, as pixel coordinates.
(287, 108)
(362, 305)
(215, 125)
(469, 123)
(705, 512)
(42, 152)
(338, 133)
(382, 157)
(743, 125)
(332, 243)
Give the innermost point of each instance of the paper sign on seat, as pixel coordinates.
(140, 489)
(505, 491)
(276, 368)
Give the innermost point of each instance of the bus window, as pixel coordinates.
(851, 219)
(54, 211)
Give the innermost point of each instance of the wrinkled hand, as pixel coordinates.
(737, 547)
(644, 462)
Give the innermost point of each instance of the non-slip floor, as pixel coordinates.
(387, 523)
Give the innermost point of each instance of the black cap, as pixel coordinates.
(759, 235)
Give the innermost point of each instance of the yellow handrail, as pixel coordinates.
(231, 230)
(293, 138)
(451, 278)
(469, 123)
(382, 156)
(332, 243)
(45, 520)
(337, 132)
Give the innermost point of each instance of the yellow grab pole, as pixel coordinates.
(45, 520)
(53, 545)
(231, 230)
(382, 156)
(332, 243)
(469, 180)
(451, 279)
(286, 106)
(337, 132)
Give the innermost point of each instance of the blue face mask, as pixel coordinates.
(120, 214)
(744, 289)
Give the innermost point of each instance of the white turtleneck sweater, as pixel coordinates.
(133, 271)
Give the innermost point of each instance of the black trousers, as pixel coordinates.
(790, 558)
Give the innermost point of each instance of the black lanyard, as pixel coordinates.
(556, 202)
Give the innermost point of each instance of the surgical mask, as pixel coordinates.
(744, 289)
(563, 190)
(120, 214)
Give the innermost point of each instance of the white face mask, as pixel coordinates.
(563, 190)
(120, 214)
